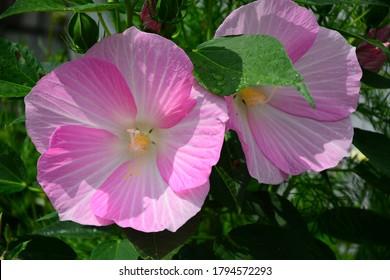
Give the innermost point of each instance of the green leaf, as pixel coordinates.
(258, 241)
(228, 64)
(9, 89)
(375, 146)
(357, 2)
(45, 248)
(230, 176)
(355, 225)
(115, 250)
(371, 175)
(74, 230)
(19, 119)
(14, 253)
(79, 2)
(98, 7)
(26, 6)
(279, 211)
(374, 80)
(163, 244)
(195, 250)
(19, 69)
(12, 171)
(225, 249)
(377, 16)
(235, 188)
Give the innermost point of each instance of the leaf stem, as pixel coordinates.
(130, 6)
(101, 19)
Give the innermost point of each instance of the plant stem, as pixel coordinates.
(106, 30)
(117, 19)
(129, 5)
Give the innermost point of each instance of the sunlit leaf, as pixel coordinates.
(115, 250)
(228, 64)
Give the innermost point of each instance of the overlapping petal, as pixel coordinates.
(297, 144)
(144, 201)
(295, 26)
(77, 162)
(332, 73)
(88, 91)
(258, 165)
(158, 73)
(188, 150)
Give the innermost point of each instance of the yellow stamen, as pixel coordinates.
(252, 97)
(139, 142)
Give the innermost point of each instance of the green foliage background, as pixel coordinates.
(341, 213)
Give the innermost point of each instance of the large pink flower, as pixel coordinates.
(126, 134)
(280, 133)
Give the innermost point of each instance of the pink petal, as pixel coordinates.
(295, 26)
(332, 74)
(259, 166)
(158, 73)
(188, 150)
(77, 162)
(296, 144)
(144, 201)
(87, 91)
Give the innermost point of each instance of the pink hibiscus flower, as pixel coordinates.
(280, 133)
(126, 134)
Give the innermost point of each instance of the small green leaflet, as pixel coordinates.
(228, 64)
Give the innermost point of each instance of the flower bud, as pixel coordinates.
(148, 12)
(162, 16)
(371, 57)
(168, 10)
(83, 32)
